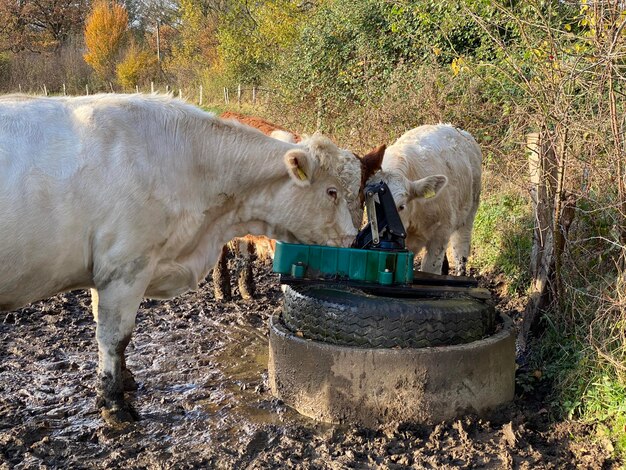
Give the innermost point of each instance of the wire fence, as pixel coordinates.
(240, 94)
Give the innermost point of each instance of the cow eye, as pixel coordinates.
(401, 207)
(332, 192)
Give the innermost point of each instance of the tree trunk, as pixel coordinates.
(543, 171)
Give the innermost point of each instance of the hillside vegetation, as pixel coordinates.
(365, 72)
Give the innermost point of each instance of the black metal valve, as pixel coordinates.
(384, 229)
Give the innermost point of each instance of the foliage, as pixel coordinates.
(106, 31)
(502, 239)
(348, 51)
(252, 36)
(194, 49)
(139, 66)
(39, 26)
(5, 67)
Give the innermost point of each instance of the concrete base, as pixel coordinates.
(340, 384)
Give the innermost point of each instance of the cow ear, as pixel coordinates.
(299, 166)
(428, 187)
(373, 161)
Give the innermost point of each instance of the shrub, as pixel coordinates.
(140, 66)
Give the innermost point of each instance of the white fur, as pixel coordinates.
(443, 162)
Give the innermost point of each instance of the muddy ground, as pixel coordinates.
(204, 401)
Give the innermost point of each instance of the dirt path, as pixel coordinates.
(204, 401)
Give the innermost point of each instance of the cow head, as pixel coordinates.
(321, 199)
(406, 192)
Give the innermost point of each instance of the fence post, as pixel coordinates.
(200, 95)
(64, 91)
(320, 111)
(542, 166)
(253, 96)
(239, 95)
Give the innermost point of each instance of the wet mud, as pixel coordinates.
(204, 402)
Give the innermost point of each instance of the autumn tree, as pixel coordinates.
(194, 51)
(106, 32)
(139, 66)
(39, 25)
(253, 35)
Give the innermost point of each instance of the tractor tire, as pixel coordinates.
(351, 317)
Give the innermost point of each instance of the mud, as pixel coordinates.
(203, 399)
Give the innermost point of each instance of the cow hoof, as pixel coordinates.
(246, 296)
(128, 381)
(220, 297)
(119, 416)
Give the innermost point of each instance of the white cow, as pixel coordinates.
(434, 172)
(135, 196)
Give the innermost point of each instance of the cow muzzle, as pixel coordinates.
(342, 241)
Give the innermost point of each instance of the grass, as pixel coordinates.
(502, 239)
(585, 385)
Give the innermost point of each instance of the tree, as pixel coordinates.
(253, 35)
(106, 32)
(195, 49)
(39, 25)
(139, 66)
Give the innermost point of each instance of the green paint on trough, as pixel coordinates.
(316, 261)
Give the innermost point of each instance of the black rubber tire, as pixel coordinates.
(351, 317)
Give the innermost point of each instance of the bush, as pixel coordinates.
(138, 67)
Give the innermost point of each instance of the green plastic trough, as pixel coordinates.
(316, 261)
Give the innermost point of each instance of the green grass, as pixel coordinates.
(584, 385)
(502, 239)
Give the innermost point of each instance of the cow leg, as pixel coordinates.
(246, 279)
(221, 277)
(460, 244)
(433, 257)
(128, 380)
(117, 304)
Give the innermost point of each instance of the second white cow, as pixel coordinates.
(434, 175)
(135, 196)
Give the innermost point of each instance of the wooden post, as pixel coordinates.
(253, 96)
(239, 95)
(200, 101)
(543, 172)
(180, 93)
(152, 87)
(64, 90)
(87, 89)
(136, 88)
(320, 111)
